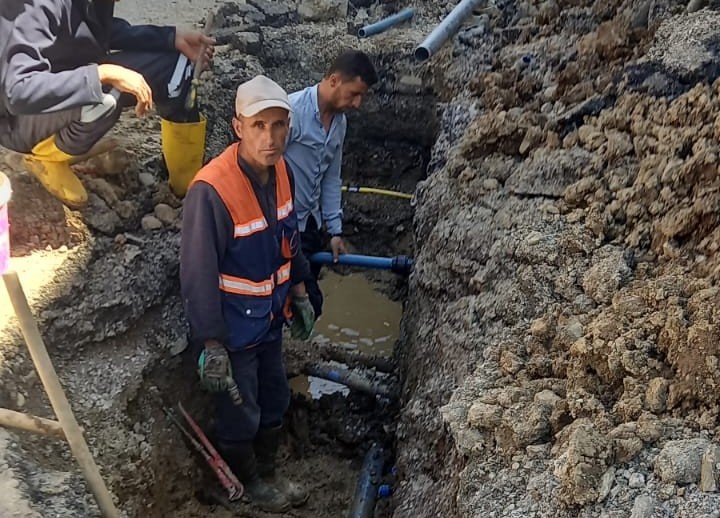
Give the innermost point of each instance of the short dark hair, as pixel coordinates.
(352, 64)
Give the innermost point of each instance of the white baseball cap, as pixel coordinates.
(258, 94)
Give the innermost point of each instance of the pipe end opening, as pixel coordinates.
(361, 33)
(422, 54)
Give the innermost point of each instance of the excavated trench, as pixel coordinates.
(119, 378)
(104, 286)
(328, 431)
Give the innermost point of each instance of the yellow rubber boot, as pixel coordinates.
(51, 167)
(183, 146)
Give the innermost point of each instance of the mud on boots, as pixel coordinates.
(267, 442)
(240, 207)
(51, 167)
(241, 458)
(57, 105)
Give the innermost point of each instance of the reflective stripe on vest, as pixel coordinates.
(250, 228)
(284, 210)
(283, 274)
(240, 286)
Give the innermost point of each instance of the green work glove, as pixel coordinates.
(303, 317)
(214, 368)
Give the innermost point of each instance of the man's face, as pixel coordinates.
(263, 135)
(347, 93)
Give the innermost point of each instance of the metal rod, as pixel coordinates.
(384, 24)
(30, 423)
(446, 29)
(55, 393)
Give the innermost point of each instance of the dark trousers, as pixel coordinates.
(260, 376)
(313, 241)
(167, 73)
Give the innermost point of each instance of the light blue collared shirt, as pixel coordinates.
(315, 157)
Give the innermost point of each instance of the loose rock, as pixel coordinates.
(679, 461)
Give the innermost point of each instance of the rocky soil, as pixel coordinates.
(561, 342)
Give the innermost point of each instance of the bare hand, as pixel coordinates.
(129, 82)
(337, 245)
(193, 44)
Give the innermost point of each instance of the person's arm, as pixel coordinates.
(28, 83)
(206, 229)
(124, 36)
(331, 191)
(295, 122)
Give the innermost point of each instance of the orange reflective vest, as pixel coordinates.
(255, 270)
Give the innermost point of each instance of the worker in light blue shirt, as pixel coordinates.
(314, 153)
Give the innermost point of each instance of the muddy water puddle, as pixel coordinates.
(355, 316)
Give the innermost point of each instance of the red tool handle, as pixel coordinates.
(223, 471)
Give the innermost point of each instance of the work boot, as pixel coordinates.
(183, 148)
(267, 442)
(240, 457)
(51, 167)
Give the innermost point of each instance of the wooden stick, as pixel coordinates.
(30, 423)
(55, 393)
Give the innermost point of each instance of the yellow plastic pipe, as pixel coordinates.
(373, 190)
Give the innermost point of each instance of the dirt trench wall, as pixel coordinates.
(559, 349)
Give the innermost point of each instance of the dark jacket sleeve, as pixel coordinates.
(300, 266)
(206, 230)
(124, 36)
(28, 83)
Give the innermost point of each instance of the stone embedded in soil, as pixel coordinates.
(643, 507)
(246, 42)
(582, 466)
(147, 179)
(484, 416)
(99, 216)
(656, 395)
(150, 222)
(709, 469)
(679, 462)
(165, 213)
(636, 481)
(276, 14)
(609, 271)
(322, 10)
(409, 85)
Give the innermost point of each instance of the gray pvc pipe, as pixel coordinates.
(445, 30)
(386, 23)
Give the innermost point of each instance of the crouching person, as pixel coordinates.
(241, 278)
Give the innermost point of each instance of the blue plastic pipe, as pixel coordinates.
(384, 24)
(400, 264)
(367, 488)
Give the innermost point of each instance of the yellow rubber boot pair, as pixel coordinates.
(183, 146)
(51, 166)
